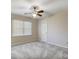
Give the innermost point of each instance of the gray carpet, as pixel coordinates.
(38, 50)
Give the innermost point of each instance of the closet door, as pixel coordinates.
(43, 30)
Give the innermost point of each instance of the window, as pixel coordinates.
(20, 28)
(27, 28)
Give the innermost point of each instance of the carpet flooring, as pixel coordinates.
(38, 50)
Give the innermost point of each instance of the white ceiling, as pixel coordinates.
(49, 6)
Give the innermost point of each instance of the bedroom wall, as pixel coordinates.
(29, 38)
(57, 29)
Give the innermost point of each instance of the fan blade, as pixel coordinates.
(27, 13)
(35, 7)
(41, 11)
(39, 14)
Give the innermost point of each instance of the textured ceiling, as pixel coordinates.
(49, 6)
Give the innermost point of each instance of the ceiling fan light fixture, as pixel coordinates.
(36, 11)
(34, 15)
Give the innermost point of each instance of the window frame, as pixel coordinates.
(23, 28)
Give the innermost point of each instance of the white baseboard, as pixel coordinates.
(54, 44)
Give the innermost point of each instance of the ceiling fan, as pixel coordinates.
(36, 11)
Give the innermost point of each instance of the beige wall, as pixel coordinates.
(24, 39)
(57, 29)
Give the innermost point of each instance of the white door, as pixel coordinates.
(44, 30)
